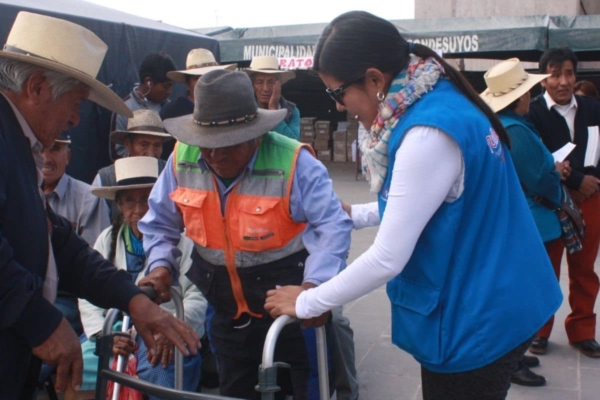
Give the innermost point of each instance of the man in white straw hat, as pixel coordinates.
(198, 63)
(562, 117)
(144, 136)
(47, 68)
(507, 94)
(261, 211)
(267, 79)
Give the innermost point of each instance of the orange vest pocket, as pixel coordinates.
(259, 224)
(190, 203)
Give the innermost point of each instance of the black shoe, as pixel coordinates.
(588, 347)
(539, 345)
(525, 377)
(531, 361)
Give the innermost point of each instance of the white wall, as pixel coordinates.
(480, 8)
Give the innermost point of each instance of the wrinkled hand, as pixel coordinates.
(160, 278)
(164, 352)
(282, 301)
(563, 169)
(122, 346)
(149, 320)
(62, 349)
(275, 96)
(589, 185)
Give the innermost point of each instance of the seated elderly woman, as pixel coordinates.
(122, 244)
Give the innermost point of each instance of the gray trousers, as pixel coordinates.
(346, 382)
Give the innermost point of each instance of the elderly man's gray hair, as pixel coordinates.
(14, 74)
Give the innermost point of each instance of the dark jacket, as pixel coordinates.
(554, 132)
(26, 318)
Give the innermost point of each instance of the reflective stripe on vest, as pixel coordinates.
(257, 227)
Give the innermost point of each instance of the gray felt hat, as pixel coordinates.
(225, 113)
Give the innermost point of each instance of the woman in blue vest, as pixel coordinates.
(467, 274)
(507, 94)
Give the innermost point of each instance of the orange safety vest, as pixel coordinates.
(256, 227)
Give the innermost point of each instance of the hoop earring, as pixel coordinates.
(380, 96)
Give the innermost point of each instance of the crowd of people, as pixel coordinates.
(213, 194)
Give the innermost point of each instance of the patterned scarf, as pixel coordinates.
(407, 87)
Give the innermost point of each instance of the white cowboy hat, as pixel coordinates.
(506, 82)
(64, 47)
(268, 65)
(144, 122)
(131, 173)
(225, 113)
(198, 63)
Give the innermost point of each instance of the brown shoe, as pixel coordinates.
(588, 347)
(539, 345)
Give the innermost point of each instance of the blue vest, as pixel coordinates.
(479, 281)
(545, 218)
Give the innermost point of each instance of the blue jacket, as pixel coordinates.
(26, 318)
(535, 168)
(290, 126)
(479, 281)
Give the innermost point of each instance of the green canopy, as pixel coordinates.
(580, 33)
(491, 37)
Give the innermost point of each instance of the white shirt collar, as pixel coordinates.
(551, 103)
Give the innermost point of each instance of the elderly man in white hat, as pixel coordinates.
(145, 136)
(47, 68)
(261, 211)
(267, 79)
(198, 63)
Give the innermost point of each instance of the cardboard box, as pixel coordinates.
(308, 121)
(307, 134)
(339, 157)
(324, 155)
(339, 136)
(321, 144)
(321, 124)
(339, 146)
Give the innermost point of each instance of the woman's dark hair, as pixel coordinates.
(117, 222)
(557, 57)
(588, 89)
(356, 41)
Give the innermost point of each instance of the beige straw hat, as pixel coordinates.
(198, 63)
(64, 47)
(131, 173)
(268, 65)
(506, 82)
(144, 122)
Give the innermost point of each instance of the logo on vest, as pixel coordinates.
(493, 142)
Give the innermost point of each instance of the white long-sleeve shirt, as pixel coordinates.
(428, 171)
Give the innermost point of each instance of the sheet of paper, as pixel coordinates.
(563, 152)
(592, 151)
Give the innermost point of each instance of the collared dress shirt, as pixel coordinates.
(88, 214)
(326, 237)
(567, 111)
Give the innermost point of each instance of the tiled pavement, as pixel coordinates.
(385, 372)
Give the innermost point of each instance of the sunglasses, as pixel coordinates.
(337, 93)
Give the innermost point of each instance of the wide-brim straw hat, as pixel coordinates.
(131, 173)
(269, 65)
(144, 122)
(225, 113)
(198, 63)
(506, 82)
(64, 47)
